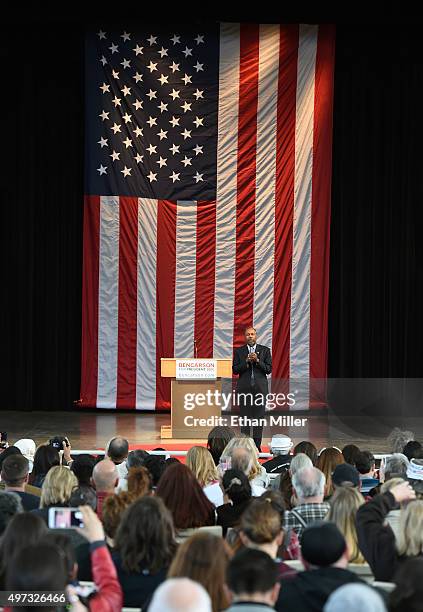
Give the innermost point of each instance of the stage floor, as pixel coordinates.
(92, 429)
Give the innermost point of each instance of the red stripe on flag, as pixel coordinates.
(127, 318)
(91, 244)
(321, 191)
(246, 180)
(165, 292)
(284, 200)
(204, 282)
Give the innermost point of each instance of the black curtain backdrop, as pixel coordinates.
(377, 208)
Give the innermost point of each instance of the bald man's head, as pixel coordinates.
(180, 595)
(117, 449)
(105, 476)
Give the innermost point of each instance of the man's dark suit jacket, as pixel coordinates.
(261, 368)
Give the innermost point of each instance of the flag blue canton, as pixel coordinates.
(151, 113)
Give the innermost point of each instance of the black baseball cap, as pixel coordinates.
(345, 472)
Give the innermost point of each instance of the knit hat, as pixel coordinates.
(415, 469)
(322, 544)
(344, 472)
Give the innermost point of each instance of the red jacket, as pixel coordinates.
(109, 597)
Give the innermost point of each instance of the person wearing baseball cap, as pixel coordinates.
(325, 556)
(346, 475)
(280, 445)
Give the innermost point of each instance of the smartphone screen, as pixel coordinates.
(64, 518)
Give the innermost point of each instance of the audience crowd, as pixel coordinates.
(307, 530)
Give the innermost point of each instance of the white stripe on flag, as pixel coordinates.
(146, 304)
(266, 180)
(186, 248)
(226, 192)
(301, 248)
(108, 300)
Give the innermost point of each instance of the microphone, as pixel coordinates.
(195, 349)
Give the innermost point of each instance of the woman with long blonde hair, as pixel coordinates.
(200, 462)
(343, 509)
(258, 475)
(328, 459)
(410, 533)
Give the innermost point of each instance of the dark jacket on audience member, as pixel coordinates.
(229, 515)
(278, 464)
(137, 587)
(309, 591)
(376, 540)
(29, 502)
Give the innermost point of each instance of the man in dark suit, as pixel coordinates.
(252, 362)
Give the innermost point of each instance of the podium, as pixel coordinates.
(200, 411)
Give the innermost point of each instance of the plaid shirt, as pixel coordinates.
(309, 513)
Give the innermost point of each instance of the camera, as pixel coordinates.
(57, 442)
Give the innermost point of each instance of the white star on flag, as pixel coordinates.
(198, 177)
(199, 39)
(126, 90)
(152, 66)
(175, 176)
(198, 94)
(116, 101)
(138, 158)
(103, 60)
(162, 161)
(163, 79)
(174, 149)
(127, 142)
(174, 67)
(186, 161)
(138, 132)
(186, 79)
(198, 149)
(138, 104)
(176, 39)
(115, 74)
(152, 94)
(152, 40)
(162, 134)
(186, 106)
(116, 128)
(126, 171)
(103, 142)
(115, 155)
(126, 36)
(101, 35)
(162, 52)
(174, 94)
(138, 77)
(152, 121)
(198, 121)
(102, 169)
(174, 121)
(138, 50)
(127, 118)
(186, 134)
(113, 48)
(163, 107)
(199, 67)
(152, 176)
(126, 63)
(152, 149)
(104, 115)
(187, 51)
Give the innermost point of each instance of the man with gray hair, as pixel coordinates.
(180, 595)
(394, 466)
(308, 485)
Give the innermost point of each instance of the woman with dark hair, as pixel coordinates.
(45, 457)
(350, 452)
(237, 490)
(328, 459)
(139, 482)
(22, 530)
(408, 593)
(184, 497)
(144, 549)
(308, 449)
(217, 440)
(204, 558)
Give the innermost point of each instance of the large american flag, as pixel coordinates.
(208, 172)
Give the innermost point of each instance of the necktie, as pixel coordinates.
(252, 378)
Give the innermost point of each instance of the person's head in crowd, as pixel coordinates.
(343, 509)
(323, 545)
(410, 532)
(280, 445)
(46, 457)
(261, 526)
(415, 476)
(398, 438)
(408, 593)
(58, 487)
(298, 462)
(390, 484)
(204, 557)
(136, 458)
(236, 486)
(184, 497)
(394, 466)
(84, 495)
(156, 465)
(113, 508)
(27, 447)
(180, 595)
(144, 538)
(365, 464)
(139, 482)
(350, 452)
(328, 459)
(232, 451)
(200, 462)
(26, 573)
(10, 504)
(345, 475)
(308, 485)
(242, 460)
(8, 452)
(82, 467)
(63, 543)
(218, 439)
(23, 530)
(413, 450)
(252, 576)
(117, 449)
(15, 472)
(355, 598)
(171, 460)
(105, 476)
(307, 448)
(275, 499)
